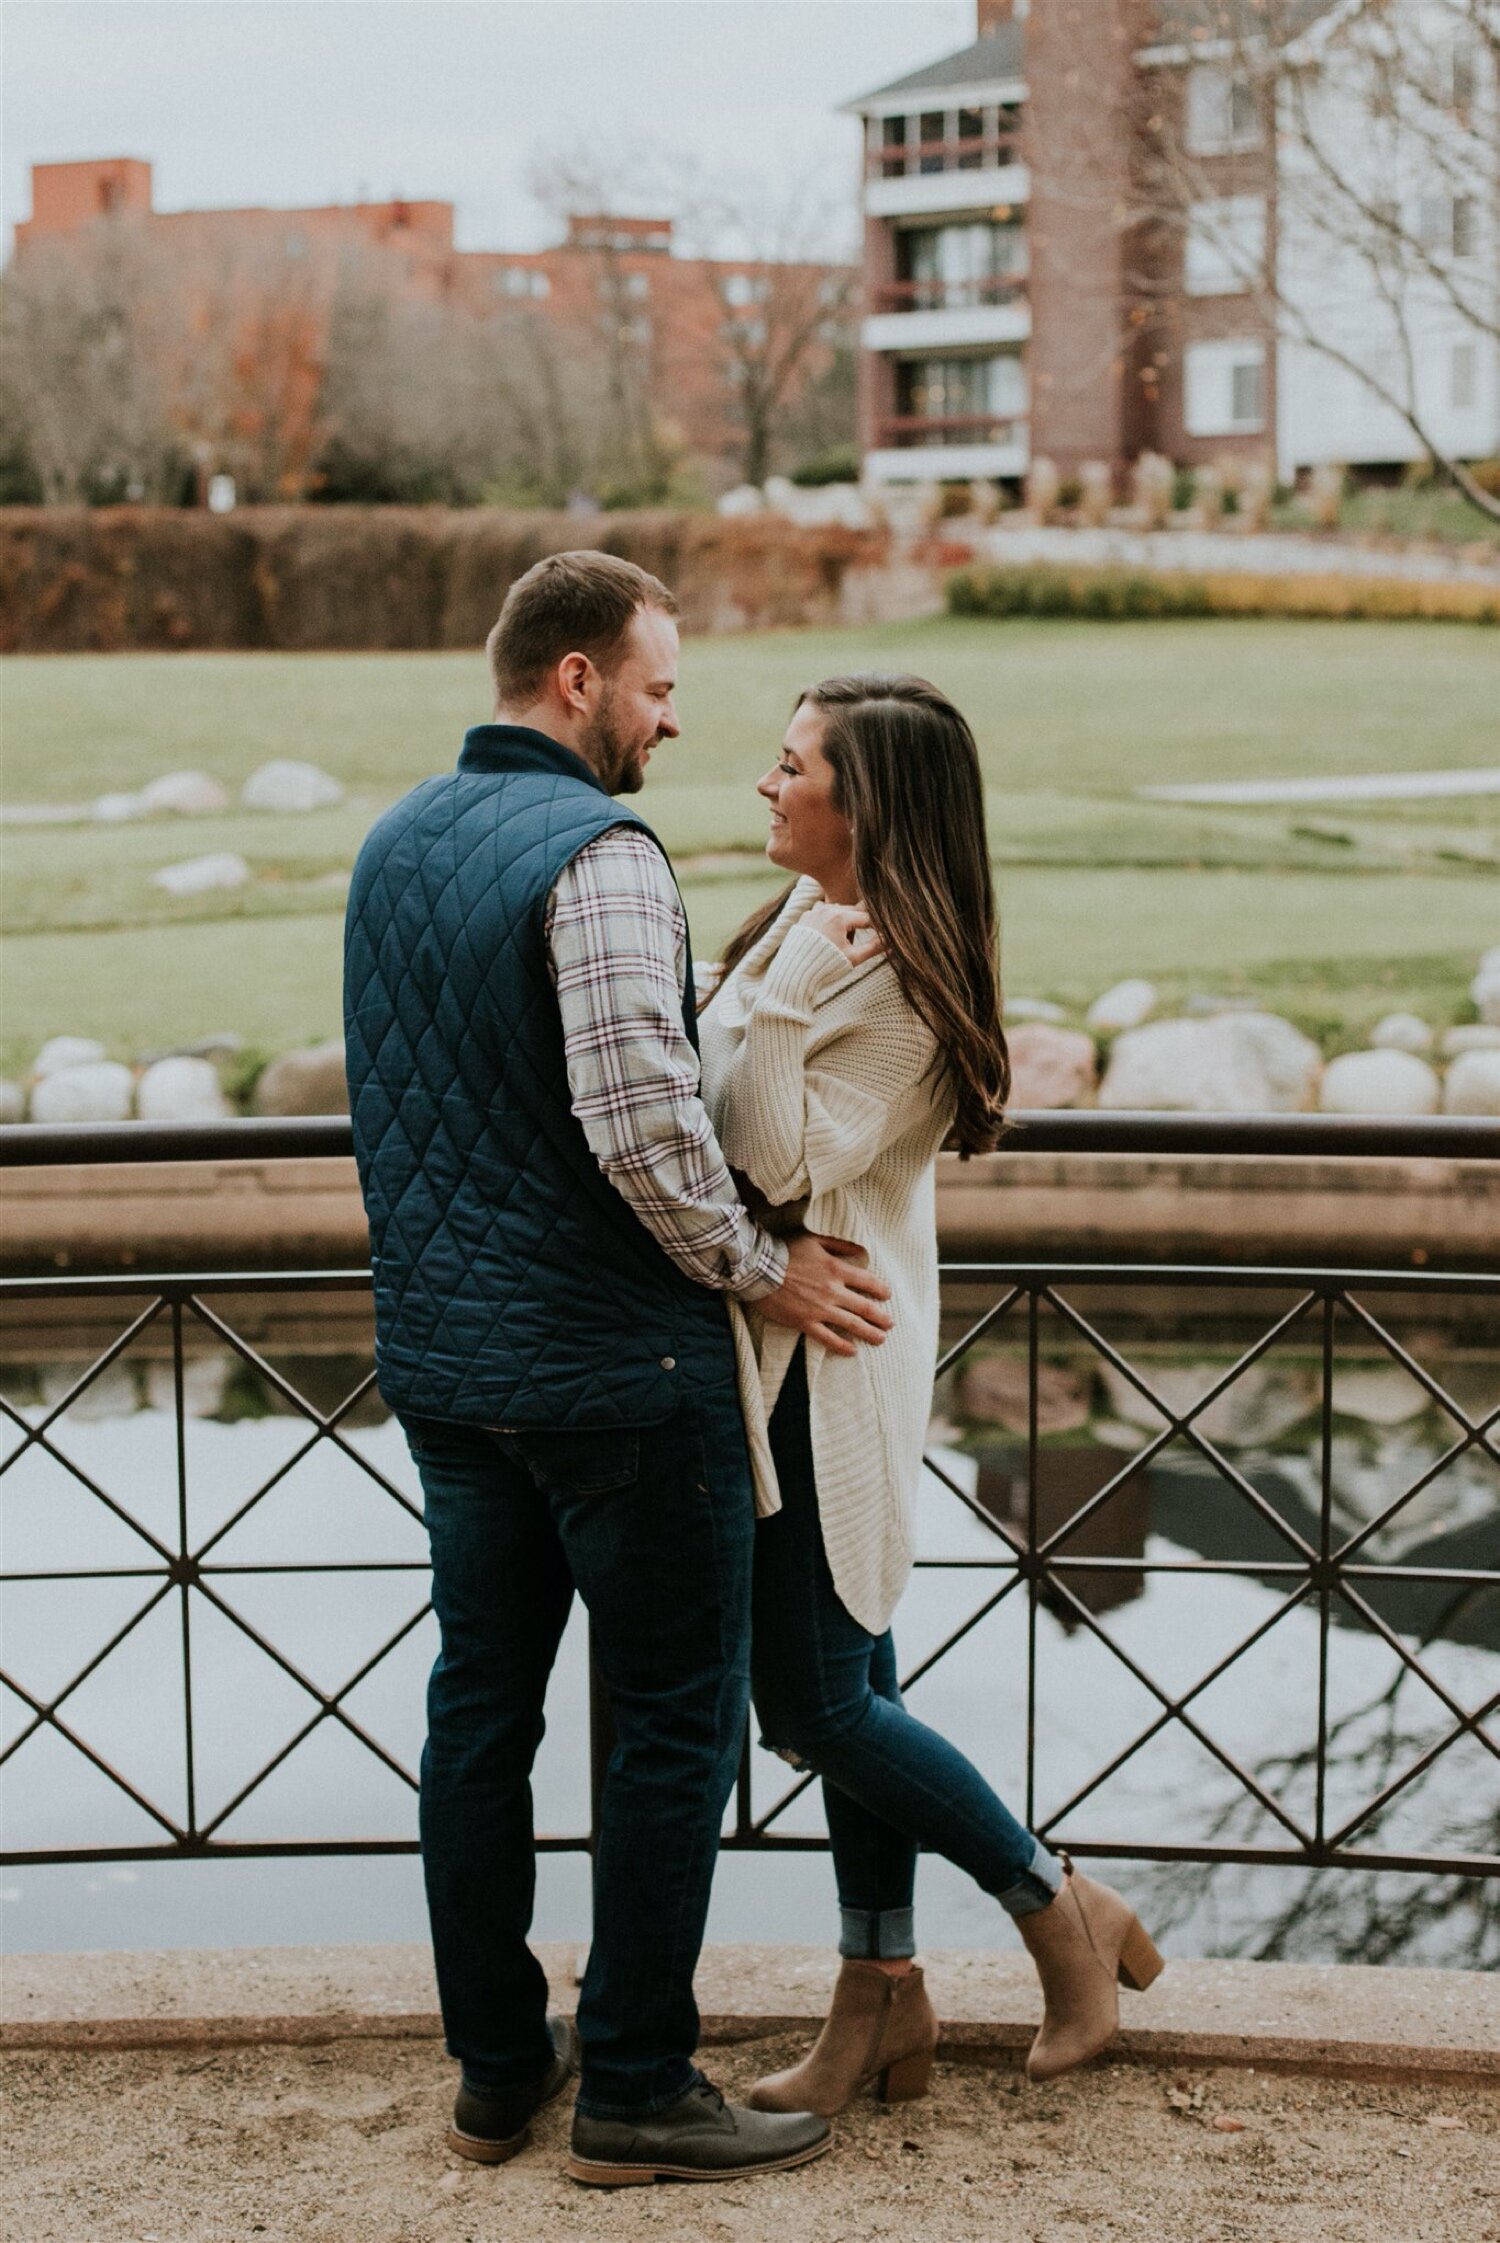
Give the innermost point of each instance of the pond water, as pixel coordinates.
(1404, 1659)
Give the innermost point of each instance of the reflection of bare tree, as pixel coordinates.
(1351, 1915)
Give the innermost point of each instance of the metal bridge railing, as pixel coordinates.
(1039, 1551)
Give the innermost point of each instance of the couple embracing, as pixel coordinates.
(657, 1299)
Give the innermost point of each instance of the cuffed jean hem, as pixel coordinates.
(883, 1935)
(591, 2106)
(1038, 1885)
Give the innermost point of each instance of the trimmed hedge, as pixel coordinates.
(109, 579)
(1122, 594)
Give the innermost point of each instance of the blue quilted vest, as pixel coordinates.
(513, 1286)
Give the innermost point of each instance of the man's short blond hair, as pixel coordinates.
(571, 603)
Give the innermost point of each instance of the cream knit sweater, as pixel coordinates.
(816, 1076)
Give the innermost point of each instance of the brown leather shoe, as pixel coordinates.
(1086, 1944)
(881, 2027)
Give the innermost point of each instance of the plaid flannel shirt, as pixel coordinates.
(617, 941)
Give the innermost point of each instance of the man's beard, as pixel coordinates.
(617, 765)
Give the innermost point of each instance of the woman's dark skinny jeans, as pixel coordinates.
(827, 1697)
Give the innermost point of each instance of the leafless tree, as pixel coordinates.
(1381, 122)
(780, 323)
(431, 399)
(788, 315)
(88, 333)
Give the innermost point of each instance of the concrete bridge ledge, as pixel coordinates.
(1338, 2021)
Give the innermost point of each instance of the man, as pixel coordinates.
(553, 1232)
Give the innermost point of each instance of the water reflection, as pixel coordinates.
(1112, 1640)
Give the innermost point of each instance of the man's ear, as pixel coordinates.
(574, 675)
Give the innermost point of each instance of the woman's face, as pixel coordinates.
(808, 835)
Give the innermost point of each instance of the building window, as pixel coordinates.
(1226, 245)
(950, 268)
(1223, 113)
(638, 286)
(740, 289)
(1465, 232)
(961, 396)
(1226, 388)
(521, 280)
(1448, 224)
(294, 245)
(932, 133)
(1463, 82)
(971, 128)
(1463, 381)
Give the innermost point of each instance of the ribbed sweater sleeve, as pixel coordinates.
(798, 1129)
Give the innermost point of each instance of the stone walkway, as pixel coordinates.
(343, 2144)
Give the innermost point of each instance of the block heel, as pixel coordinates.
(907, 2080)
(1140, 1964)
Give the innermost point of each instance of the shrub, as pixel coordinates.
(1119, 595)
(85, 579)
(841, 464)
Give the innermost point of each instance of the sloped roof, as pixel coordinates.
(1002, 54)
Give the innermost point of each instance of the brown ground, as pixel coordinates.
(344, 2145)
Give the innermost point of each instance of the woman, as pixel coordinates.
(853, 1030)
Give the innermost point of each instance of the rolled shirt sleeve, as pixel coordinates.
(617, 941)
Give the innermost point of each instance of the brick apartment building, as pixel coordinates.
(691, 329)
(1017, 305)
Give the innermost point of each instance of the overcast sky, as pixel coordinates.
(313, 101)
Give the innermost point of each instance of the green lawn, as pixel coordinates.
(1332, 917)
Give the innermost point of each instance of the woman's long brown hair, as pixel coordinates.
(906, 775)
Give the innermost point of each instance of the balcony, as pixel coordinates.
(948, 447)
(990, 151)
(913, 191)
(948, 314)
(949, 295)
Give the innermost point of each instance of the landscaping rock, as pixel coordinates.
(1239, 1063)
(1127, 1005)
(997, 1390)
(1401, 1031)
(196, 876)
(12, 1102)
(305, 1082)
(117, 809)
(1380, 1082)
(1032, 1008)
(1382, 1395)
(1485, 988)
(286, 785)
(1259, 1406)
(1051, 1066)
(102, 1091)
(205, 1383)
(65, 1051)
(181, 1090)
(1473, 1084)
(187, 794)
(1476, 1036)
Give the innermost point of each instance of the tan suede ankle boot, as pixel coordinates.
(1086, 1944)
(881, 2027)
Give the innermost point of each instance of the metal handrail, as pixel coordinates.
(330, 1136)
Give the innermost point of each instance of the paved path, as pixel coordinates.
(1380, 786)
(343, 2144)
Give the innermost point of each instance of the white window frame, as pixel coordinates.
(1226, 245)
(1208, 115)
(1208, 373)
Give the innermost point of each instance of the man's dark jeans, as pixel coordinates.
(655, 1531)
